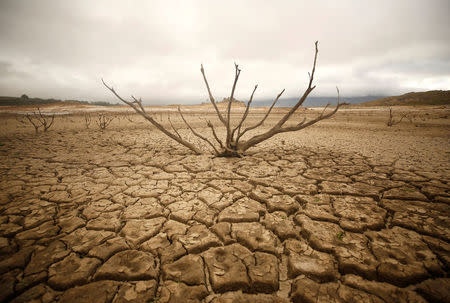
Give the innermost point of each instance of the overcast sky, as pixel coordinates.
(153, 49)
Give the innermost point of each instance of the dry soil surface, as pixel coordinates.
(346, 211)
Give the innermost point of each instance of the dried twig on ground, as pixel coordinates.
(38, 119)
(87, 120)
(103, 121)
(391, 121)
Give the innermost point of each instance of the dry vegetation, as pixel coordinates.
(347, 208)
(233, 144)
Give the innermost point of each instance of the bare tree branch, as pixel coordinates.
(41, 119)
(391, 121)
(195, 133)
(211, 98)
(236, 77)
(87, 120)
(36, 126)
(173, 127)
(259, 138)
(263, 119)
(103, 121)
(210, 125)
(232, 146)
(141, 111)
(244, 116)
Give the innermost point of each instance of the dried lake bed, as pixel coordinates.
(348, 210)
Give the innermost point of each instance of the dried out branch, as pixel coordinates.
(230, 101)
(173, 127)
(244, 116)
(279, 129)
(391, 121)
(38, 119)
(210, 125)
(196, 133)
(87, 120)
(103, 121)
(36, 126)
(263, 119)
(211, 98)
(139, 108)
(236, 146)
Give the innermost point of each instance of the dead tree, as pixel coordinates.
(103, 121)
(87, 120)
(391, 121)
(234, 144)
(38, 119)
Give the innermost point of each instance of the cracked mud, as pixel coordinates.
(128, 216)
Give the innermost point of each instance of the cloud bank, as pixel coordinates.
(153, 49)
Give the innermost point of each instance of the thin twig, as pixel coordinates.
(244, 116)
(139, 108)
(173, 127)
(211, 98)
(195, 133)
(263, 119)
(210, 125)
(236, 77)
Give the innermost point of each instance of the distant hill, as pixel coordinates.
(434, 97)
(224, 102)
(315, 101)
(24, 100)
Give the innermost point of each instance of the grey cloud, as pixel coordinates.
(154, 48)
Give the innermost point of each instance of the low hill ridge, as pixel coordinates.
(434, 97)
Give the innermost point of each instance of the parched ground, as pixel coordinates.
(346, 211)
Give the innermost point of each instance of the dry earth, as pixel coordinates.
(349, 210)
